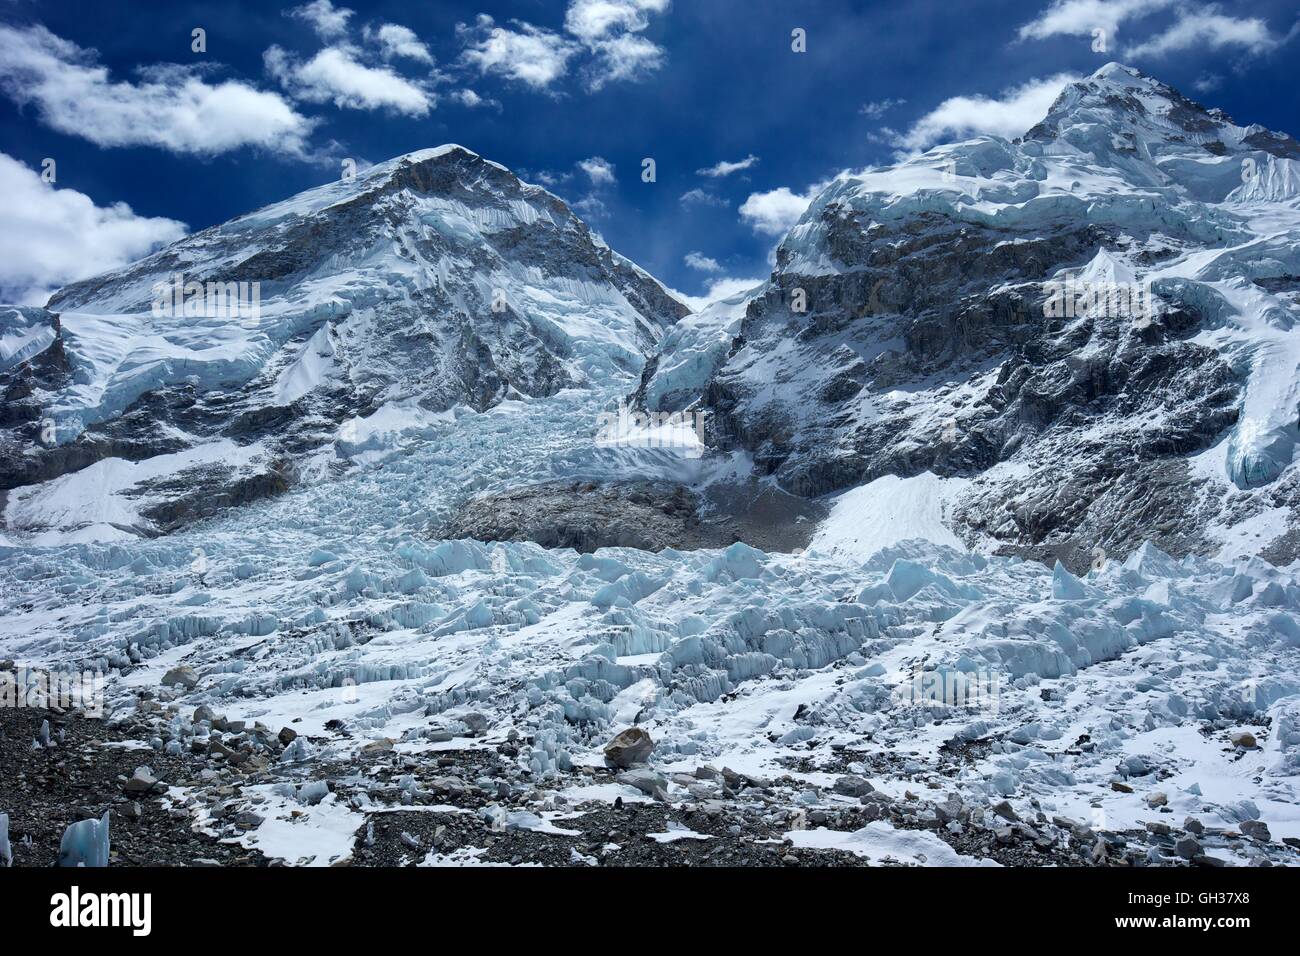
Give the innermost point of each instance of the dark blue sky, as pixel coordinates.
(727, 86)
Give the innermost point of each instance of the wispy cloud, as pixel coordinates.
(592, 20)
(1196, 25)
(700, 197)
(879, 108)
(396, 41)
(591, 207)
(724, 168)
(327, 20)
(1209, 28)
(603, 36)
(1008, 115)
(698, 260)
(468, 98)
(1082, 17)
(718, 289)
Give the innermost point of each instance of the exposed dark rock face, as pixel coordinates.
(587, 516)
(908, 329)
(934, 324)
(650, 515)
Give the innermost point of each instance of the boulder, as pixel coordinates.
(182, 676)
(1256, 830)
(851, 785)
(632, 746)
(647, 781)
(142, 781)
(1005, 811)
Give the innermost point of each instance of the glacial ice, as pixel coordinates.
(711, 651)
(85, 843)
(691, 352)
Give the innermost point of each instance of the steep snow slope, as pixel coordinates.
(1090, 306)
(434, 280)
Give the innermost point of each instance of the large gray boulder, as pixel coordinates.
(631, 747)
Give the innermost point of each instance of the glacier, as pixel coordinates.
(330, 604)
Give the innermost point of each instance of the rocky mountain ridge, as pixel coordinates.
(912, 324)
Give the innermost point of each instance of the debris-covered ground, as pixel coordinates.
(224, 805)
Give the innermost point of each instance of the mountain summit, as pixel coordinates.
(212, 369)
(1086, 333)
(1136, 124)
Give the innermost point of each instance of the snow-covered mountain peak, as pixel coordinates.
(431, 281)
(1144, 128)
(1119, 96)
(448, 195)
(1099, 312)
(450, 171)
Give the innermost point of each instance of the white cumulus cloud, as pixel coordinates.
(590, 20)
(775, 211)
(171, 107)
(50, 236)
(610, 30)
(336, 75)
(526, 54)
(599, 170)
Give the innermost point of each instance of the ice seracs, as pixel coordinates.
(86, 843)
